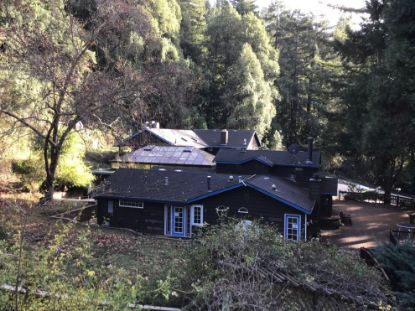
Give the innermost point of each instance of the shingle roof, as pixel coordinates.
(198, 138)
(236, 138)
(179, 137)
(191, 186)
(169, 155)
(282, 158)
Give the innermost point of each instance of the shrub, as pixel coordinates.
(399, 263)
(237, 267)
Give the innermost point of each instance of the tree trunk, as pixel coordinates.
(51, 163)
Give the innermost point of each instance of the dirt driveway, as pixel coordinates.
(370, 226)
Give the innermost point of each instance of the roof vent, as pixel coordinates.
(266, 178)
(178, 171)
(274, 187)
(209, 178)
(230, 178)
(187, 150)
(162, 169)
(166, 181)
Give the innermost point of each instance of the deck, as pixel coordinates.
(371, 224)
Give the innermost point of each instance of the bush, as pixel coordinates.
(399, 263)
(237, 267)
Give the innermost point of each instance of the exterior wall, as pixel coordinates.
(251, 167)
(259, 206)
(147, 219)
(152, 217)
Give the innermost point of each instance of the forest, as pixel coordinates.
(78, 75)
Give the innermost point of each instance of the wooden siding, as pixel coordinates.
(147, 219)
(151, 217)
(259, 206)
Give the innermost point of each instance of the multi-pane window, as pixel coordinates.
(133, 204)
(197, 215)
(292, 227)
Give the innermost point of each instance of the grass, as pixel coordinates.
(146, 255)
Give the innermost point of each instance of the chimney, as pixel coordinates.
(166, 181)
(224, 137)
(314, 187)
(310, 150)
(208, 183)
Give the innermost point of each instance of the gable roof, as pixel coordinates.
(169, 155)
(178, 137)
(198, 138)
(236, 138)
(277, 157)
(191, 186)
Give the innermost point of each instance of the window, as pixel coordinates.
(292, 227)
(243, 210)
(110, 208)
(197, 215)
(133, 204)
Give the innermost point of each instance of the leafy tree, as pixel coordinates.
(48, 80)
(244, 6)
(384, 81)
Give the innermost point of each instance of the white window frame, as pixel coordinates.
(131, 204)
(293, 216)
(192, 215)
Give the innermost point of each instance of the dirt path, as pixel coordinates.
(370, 227)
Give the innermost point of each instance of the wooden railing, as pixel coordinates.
(371, 196)
(401, 236)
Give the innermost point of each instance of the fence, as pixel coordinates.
(375, 197)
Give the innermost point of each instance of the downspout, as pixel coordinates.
(305, 227)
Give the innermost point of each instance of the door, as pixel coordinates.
(178, 221)
(292, 227)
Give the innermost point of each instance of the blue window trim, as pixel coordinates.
(172, 232)
(286, 227)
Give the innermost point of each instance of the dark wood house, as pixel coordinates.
(177, 202)
(284, 188)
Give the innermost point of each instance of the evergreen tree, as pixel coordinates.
(244, 6)
(249, 96)
(308, 67)
(381, 51)
(228, 31)
(193, 29)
